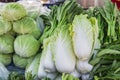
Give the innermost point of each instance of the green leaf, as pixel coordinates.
(107, 51)
(94, 61)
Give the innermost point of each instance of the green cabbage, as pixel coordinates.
(82, 36)
(5, 26)
(26, 25)
(13, 11)
(21, 62)
(5, 59)
(64, 56)
(4, 73)
(26, 45)
(6, 44)
(36, 33)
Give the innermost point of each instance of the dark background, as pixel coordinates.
(8, 0)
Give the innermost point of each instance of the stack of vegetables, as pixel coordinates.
(76, 44)
(19, 34)
(107, 62)
(64, 44)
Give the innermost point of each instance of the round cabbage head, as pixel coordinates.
(6, 44)
(21, 62)
(13, 11)
(26, 25)
(5, 26)
(26, 45)
(5, 58)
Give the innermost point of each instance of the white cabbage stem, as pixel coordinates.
(83, 66)
(52, 76)
(76, 73)
(85, 76)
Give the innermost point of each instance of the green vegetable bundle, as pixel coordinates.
(19, 35)
(106, 60)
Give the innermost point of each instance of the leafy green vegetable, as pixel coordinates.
(61, 15)
(107, 63)
(26, 45)
(21, 62)
(26, 25)
(108, 51)
(13, 11)
(5, 26)
(64, 56)
(6, 44)
(5, 59)
(110, 13)
(106, 60)
(83, 36)
(108, 20)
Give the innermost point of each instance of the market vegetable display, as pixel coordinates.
(106, 61)
(64, 42)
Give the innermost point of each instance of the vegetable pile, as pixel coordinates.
(64, 42)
